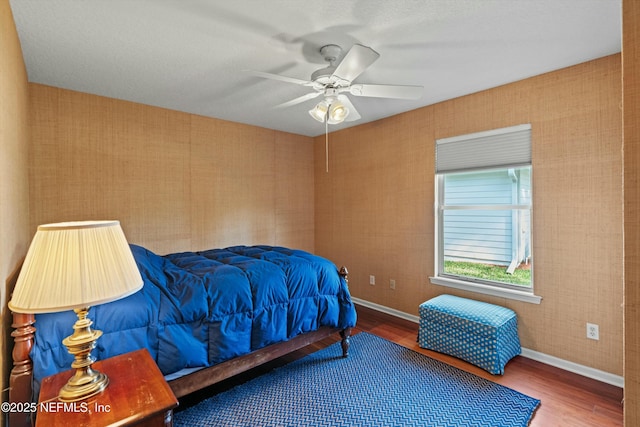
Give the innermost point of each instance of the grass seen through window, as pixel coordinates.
(495, 273)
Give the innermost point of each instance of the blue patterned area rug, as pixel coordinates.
(379, 384)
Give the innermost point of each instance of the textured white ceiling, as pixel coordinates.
(189, 55)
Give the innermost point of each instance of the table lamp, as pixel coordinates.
(73, 266)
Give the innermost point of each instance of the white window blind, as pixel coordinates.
(509, 146)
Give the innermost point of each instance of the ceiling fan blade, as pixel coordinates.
(299, 100)
(279, 78)
(353, 113)
(355, 62)
(386, 91)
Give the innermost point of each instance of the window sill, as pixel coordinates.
(486, 289)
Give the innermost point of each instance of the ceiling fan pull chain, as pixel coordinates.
(326, 143)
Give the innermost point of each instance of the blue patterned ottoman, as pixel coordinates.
(480, 333)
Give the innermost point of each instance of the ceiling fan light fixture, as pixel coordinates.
(319, 112)
(338, 112)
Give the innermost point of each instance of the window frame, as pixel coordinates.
(468, 283)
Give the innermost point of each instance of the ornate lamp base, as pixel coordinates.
(86, 382)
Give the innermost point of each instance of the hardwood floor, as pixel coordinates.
(567, 399)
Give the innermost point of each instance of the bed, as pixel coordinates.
(204, 317)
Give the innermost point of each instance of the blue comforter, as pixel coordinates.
(199, 309)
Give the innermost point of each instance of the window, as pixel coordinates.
(483, 213)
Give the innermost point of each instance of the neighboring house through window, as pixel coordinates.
(483, 213)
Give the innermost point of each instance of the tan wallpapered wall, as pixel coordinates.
(631, 88)
(374, 209)
(14, 188)
(174, 180)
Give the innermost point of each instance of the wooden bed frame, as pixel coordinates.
(20, 380)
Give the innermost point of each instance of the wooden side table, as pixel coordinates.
(137, 394)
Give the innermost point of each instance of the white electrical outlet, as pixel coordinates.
(593, 331)
(392, 284)
(372, 280)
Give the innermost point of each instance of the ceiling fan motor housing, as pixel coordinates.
(323, 75)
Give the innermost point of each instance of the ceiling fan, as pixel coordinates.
(336, 80)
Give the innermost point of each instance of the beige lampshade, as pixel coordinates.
(73, 265)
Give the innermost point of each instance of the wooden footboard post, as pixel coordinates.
(345, 333)
(344, 273)
(22, 371)
(346, 342)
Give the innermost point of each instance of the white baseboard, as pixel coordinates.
(387, 310)
(576, 368)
